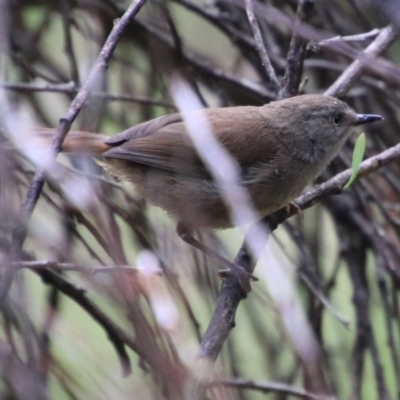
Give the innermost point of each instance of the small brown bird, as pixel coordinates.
(280, 148)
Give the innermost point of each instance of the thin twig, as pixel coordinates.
(351, 38)
(354, 70)
(208, 70)
(297, 52)
(316, 289)
(268, 387)
(69, 48)
(335, 184)
(269, 69)
(59, 266)
(118, 337)
(35, 189)
(70, 88)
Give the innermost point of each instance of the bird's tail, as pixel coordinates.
(77, 142)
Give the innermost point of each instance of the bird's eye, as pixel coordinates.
(336, 119)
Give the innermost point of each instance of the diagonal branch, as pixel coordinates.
(117, 336)
(230, 296)
(223, 318)
(36, 186)
(269, 387)
(269, 69)
(345, 81)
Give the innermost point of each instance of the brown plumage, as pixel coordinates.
(280, 148)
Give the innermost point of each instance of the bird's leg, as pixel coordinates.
(242, 275)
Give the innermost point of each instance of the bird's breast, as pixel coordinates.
(271, 187)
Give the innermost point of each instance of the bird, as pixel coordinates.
(280, 148)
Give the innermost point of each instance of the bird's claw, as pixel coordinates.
(293, 209)
(242, 276)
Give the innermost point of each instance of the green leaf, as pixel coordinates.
(358, 154)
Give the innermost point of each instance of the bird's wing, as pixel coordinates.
(164, 143)
(145, 129)
(161, 143)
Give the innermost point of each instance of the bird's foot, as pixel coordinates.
(294, 209)
(241, 275)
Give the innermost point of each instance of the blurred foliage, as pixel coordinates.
(56, 323)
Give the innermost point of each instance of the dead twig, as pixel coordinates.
(70, 88)
(223, 319)
(354, 70)
(35, 189)
(269, 387)
(297, 52)
(269, 69)
(60, 266)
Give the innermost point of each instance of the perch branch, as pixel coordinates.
(223, 318)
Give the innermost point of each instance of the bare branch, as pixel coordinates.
(118, 337)
(335, 184)
(224, 314)
(102, 220)
(57, 266)
(297, 52)
(269, 69)
(270, 387)
(70, 88)
(351, 38)
(35, 189)
(351, 74)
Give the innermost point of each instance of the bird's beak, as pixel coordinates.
(367, 118)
